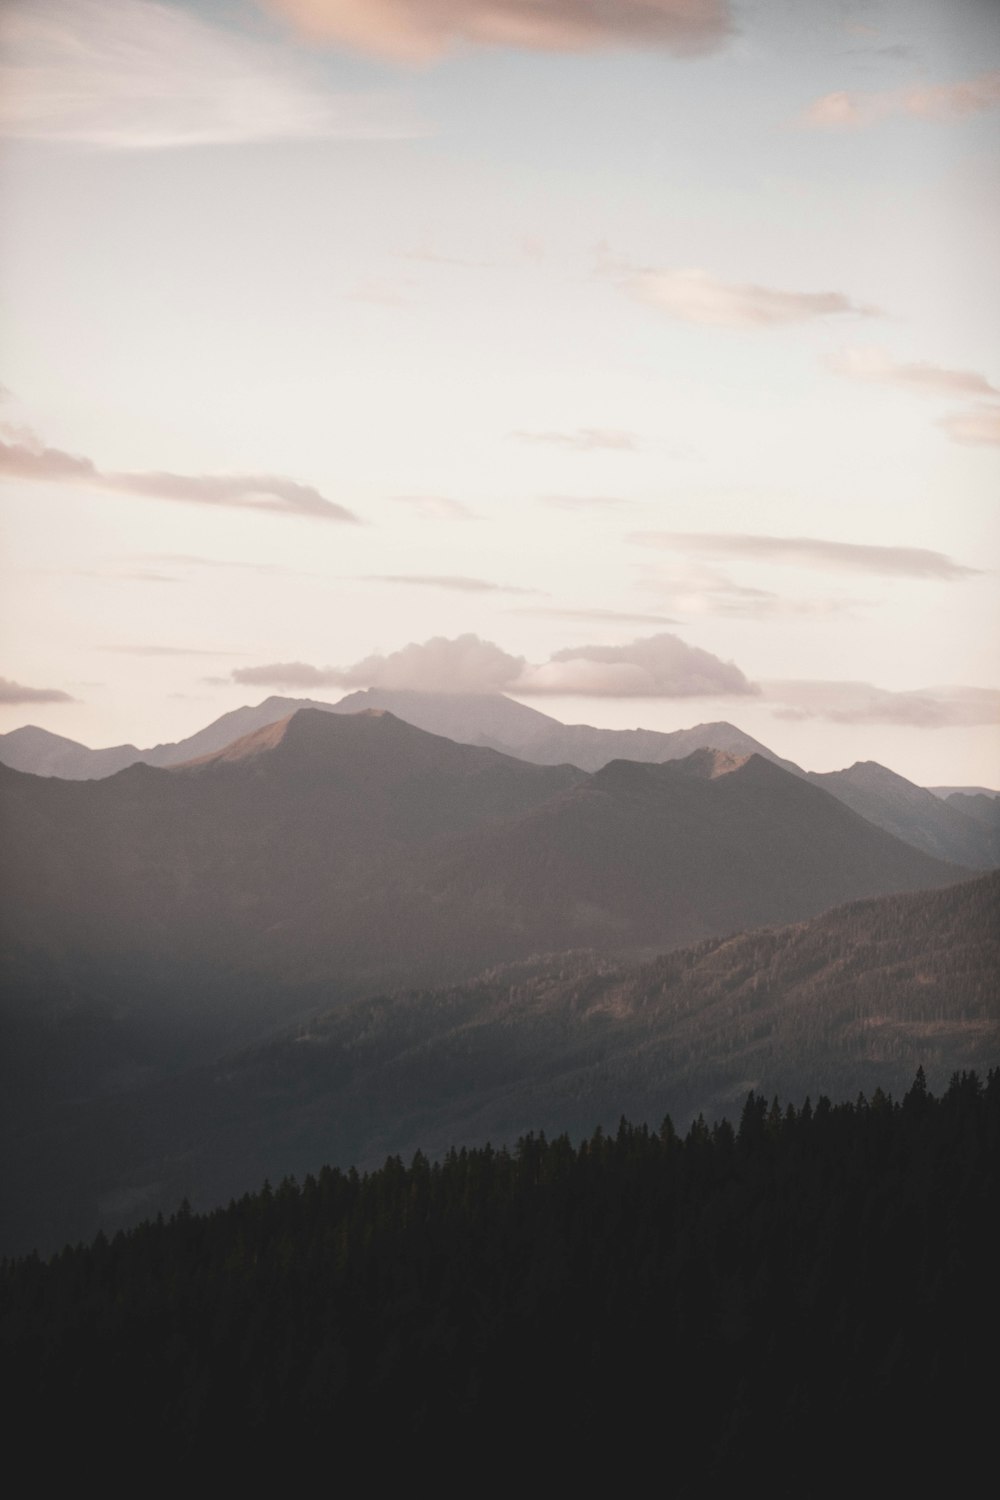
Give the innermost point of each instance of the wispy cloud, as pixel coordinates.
(977, 424)
(438, 507)
(920, 377)
(863, 703)
(699, 590)
(453, 581)
(943, 101)
(16, 692)
(658, 666)
(695, 296)
(139, 75)
(267, 492)
(810, 552)
(293, 674)
(595, 616)
(584, 438)
(421, 30)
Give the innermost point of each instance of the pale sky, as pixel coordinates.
(656, 346)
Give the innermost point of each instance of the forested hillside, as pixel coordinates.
(801, 1297)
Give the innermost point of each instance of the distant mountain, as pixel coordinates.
(479, 719)
(492, 719)
(488, 719)
(947, 829)
(850, 1000)
(966, 791)
(42, 753)
(357, 849)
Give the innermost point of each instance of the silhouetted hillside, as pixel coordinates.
(792, 1298)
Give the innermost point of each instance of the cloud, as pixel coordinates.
(923, 378)
(694, 296)
(128, 75)
(598, 616)
(660, 666)
(945, 101)
(449, 581)
(584, 438)
(14, 692)
(698, 590)
(465, 664)
(810, 552)
(862, 703)
(438, 507)
(267, 492)
(977, 424)
(421, 30)
(298, 674)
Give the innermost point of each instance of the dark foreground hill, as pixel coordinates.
(811, 1298)
(859, 996)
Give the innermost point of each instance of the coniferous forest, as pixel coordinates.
(807, 1299)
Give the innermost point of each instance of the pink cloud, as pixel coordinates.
(695, 296)
(977, 424)
(933, 380)
(946, 101)
(421, 30)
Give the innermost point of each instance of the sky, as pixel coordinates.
(640, 360)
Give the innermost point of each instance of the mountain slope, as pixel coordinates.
(912, 813)
(855, 998)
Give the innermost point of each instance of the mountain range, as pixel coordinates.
(963, 826)
(355, 849)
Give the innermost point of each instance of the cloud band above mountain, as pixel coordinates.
(659, 666)
(863, 703)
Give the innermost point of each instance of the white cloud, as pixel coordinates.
(420, 30)
(810, 552)
(695, 296)
(923, 378)
(141, 75)
(659, 666)
(863, 703)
